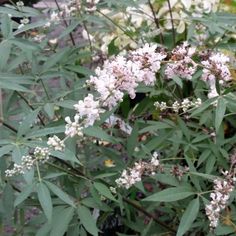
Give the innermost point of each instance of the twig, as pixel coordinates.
(65, 22)
(156, 20)
(172, 21)
(8, 126)
(141, 209)
(108, 18)
(30, 106)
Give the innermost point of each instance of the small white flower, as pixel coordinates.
(20, 4)
(56, 143)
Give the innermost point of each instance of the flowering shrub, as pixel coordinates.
(118, 118)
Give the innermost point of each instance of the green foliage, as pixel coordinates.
(74, 191)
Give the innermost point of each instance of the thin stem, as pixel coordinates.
(86, 29)
(1, 106)
(172, 21)
(45, 89)
(66, 171)
(201, 193)
(141, 209)
(108, 18)
(174, 158)
(65, 22)
(8, 126)
(30, 106)
(156, 20)
(38, 171)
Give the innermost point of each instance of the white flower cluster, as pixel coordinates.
(219, 198)
(56, 143)
(185, 105)
(27, 162)
(41, 154)
(23, 22)
(73, 128)
(182, 65)
(215, 66)
(20, 4)
(88, 110)
(122, 75)
(17, 169)
(91, 5)
(118, 76)
(133, 175)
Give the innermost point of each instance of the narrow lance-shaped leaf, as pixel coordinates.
(62, 195)
(24, 194)
(188, 217)
(170, 195)
(220, 112)
(61, 221)
(87, 220)
(45, 199)
(104, 191)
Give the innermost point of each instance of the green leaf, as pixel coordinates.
(87, 220)
(30, 26)
(203, 107)
(79, 69)
(112, 48)
(61, 221)
(55, 58)
(5, 49)
(46, 131)
(67, 155)
(178, 81)
(220, 112)
(6, 26)
(24, 194)
(6, 149)
(104, 191)
(62, 195)
(49, 109)
(24, 44)
(132, 140)
(45, 200)
(13, 86)
(170, 195)
(188, 217)
(157, 125)
(69, 29)
(7, 202)
(183, 127)
(205, 176)
(27, 122)
(102, 176)
(98, 132)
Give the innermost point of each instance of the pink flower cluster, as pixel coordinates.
(219, 198)
(121, 75)
(133, 175)
(117, 77)
(215, 66)
(182, 64)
